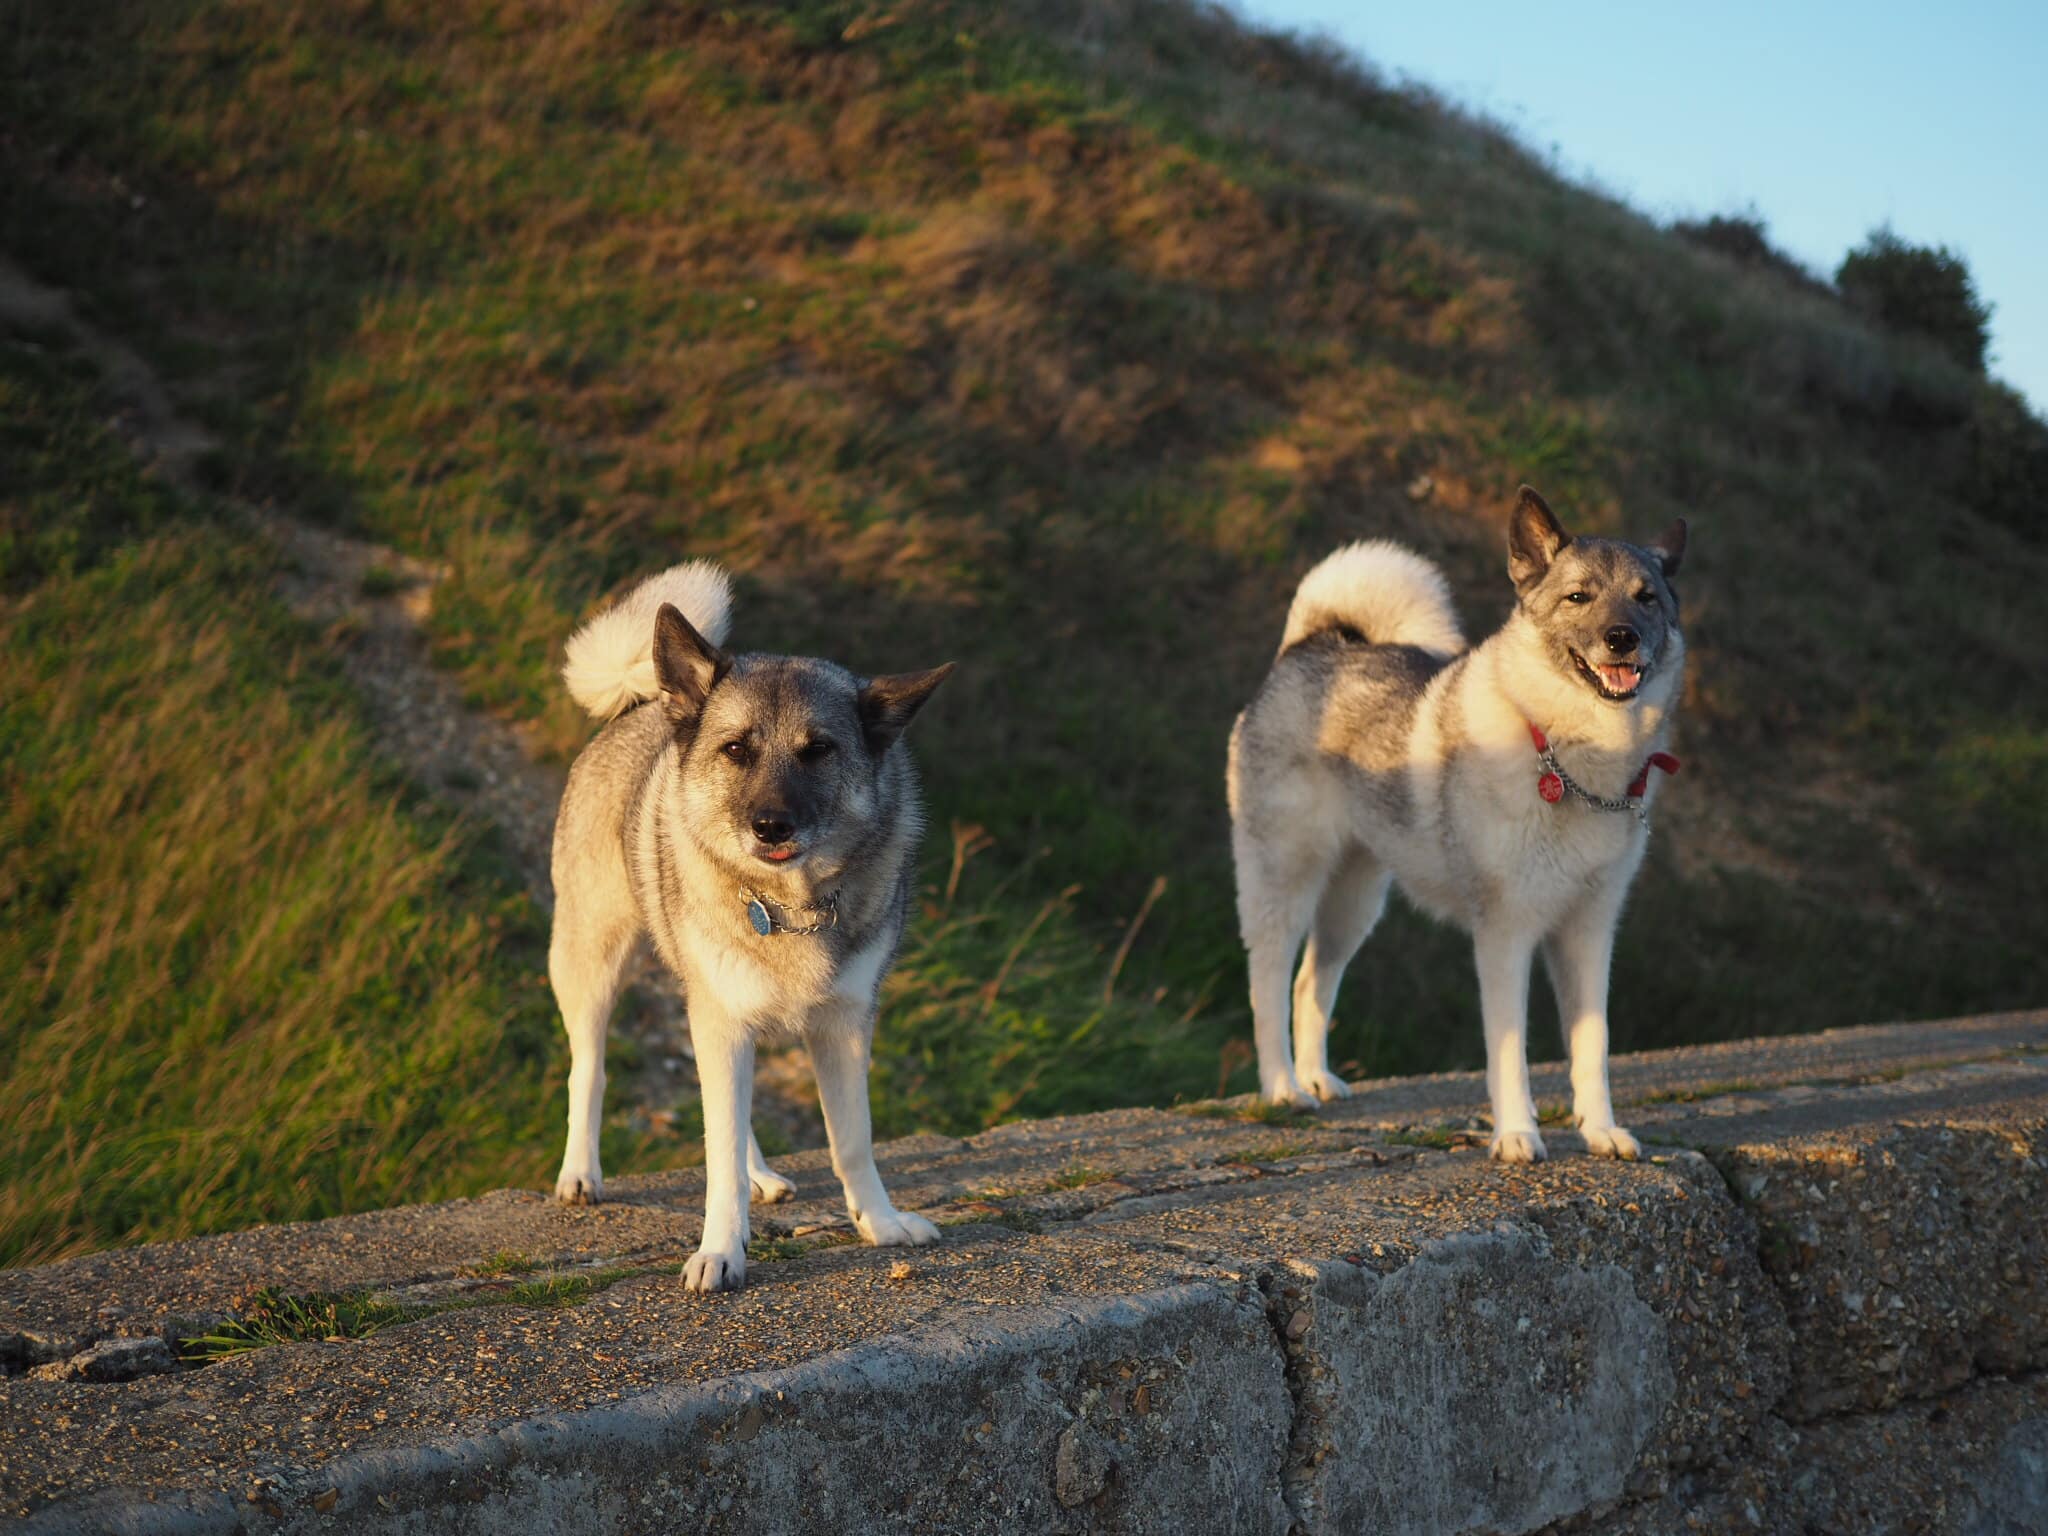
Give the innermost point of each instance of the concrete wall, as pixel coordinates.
(1818, 1306)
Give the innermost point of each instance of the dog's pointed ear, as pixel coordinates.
(1669, 547)
(1534, 539)
(686, 665)
(887, 704)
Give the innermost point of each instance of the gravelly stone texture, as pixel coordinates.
(1141, 1320)
(1973, 1462)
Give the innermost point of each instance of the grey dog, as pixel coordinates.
(1506, 788)
(758, 818)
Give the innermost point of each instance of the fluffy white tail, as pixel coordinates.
(1390, 595)
(610, 666)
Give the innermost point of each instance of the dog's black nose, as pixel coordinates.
(773, 826)
(1621, 639)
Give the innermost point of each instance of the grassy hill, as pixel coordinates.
(1058, 340)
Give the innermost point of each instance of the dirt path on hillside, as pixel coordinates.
(372, 603)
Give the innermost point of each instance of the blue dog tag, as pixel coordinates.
(757, 914)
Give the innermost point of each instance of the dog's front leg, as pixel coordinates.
(725, 1073)
(1579, 955)
(1503, 955)
(839, 1047)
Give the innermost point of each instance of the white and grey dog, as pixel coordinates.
(758, 818)
(1506, 787)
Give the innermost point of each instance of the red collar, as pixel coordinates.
(1551, 786)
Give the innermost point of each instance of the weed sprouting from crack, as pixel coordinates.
(1704, 1091)
(1268, 1152)
(276, 1317)
(1254, 1112)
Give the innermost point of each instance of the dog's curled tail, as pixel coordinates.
(610, 666)
(1385, 594)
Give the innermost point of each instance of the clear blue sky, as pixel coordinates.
(1827, 118)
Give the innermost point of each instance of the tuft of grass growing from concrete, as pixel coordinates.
(1079, 1176)
(501, 1263)
(275, 1317)
(1694, 1095)
(1436, 1137)
(563, 1288)
(1269, 1152)
(1254, 1111)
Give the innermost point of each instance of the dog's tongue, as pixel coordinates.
(780, 854)
(1618, 679)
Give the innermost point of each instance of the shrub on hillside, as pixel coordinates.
(2007, 472)
(1918, 289)
(1744, 240)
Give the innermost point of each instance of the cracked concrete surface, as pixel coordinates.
(1143, 1320)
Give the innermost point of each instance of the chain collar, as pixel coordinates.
(1556, 783)
(767, 917)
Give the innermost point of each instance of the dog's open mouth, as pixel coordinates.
(1614, 679)
(780, 853)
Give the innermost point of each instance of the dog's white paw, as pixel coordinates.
(579, 1186)
(1325, 1085)
(892, 1228)
(715, 1269)
(1288, 1093)
(770, 1187)
(1610, 1141)
(1519, 1147)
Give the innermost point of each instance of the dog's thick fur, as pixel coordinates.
(1379, 749)
(720, 779)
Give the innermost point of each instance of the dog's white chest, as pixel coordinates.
(777, 982)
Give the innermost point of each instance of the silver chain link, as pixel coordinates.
(1548, 756)
(775, 910)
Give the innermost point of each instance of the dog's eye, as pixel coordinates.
(736, 750)
(816, 751)
(1578, 597)
(1647, 598)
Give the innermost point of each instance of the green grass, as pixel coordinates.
(1694, 1095)
(245, 973)
(503, 1262)
(1057, 343)
(562, 1289)
(1252, 1112)
(1269, 1152)
(1434, 1137)
(273, 1316)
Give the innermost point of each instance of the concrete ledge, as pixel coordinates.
(1163, 1412)
(1187, 1320)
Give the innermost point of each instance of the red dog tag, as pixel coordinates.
(1550, 787)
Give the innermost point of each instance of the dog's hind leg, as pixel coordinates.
(1503, 956)
(1345, 917)
(1578, 955)
(1273, 907)
(584, 963)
